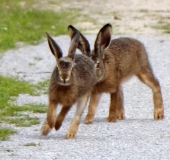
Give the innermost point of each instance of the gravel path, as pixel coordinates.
(136, 137)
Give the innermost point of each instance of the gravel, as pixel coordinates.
(136, 137)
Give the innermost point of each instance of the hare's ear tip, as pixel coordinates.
(71, 27)
(108, 25)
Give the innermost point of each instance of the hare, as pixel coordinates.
(71, 81)
(116, 61)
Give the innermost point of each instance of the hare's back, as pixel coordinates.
(126, 54)
(125, 45)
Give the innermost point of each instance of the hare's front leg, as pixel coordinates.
(112, 108)
(94, 100)
(51, 117)
(120, 107)
(61, 116)
(147, 77)
(75, 123)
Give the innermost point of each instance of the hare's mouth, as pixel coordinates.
(64, 83)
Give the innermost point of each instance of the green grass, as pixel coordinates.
(30, 144)
(25, 24)
(43, 86)
(164, 25)
(12, 87)
(5, 132)
(14, 110)
(23, 121)
(13, 114)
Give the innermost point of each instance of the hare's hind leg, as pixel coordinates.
(50, 120)
(75, 123)
(147, 77)
(61, 116)
(119, 105)
(94, 100)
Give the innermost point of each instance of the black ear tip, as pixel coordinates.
(71, 27)
(108, 25)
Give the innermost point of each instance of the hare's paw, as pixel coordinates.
(45, 129)
(111, 119)
(89, 119)
(159, 114)
(58, 125)
(120, 115)
(71, 133)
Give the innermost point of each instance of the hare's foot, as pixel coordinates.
(111, 119)
(71, 133)
(89, 119)
(120, 115)
(159, 114)
(45, 129)
(58, 124)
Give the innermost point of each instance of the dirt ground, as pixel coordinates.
(127, 17)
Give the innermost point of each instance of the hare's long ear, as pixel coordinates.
(83, 44)
(103, 40)
(73, 46)
(54, 47)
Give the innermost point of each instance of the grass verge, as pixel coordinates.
(13, 114)
(22, 23)
(164, 25)
(6, 132)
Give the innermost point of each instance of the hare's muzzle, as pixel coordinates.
(64, 80)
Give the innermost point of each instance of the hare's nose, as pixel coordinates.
(65, 79)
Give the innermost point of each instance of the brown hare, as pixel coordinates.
(71, 81)
(115, 61)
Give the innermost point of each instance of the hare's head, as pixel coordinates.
(65, 65)
(101, 43)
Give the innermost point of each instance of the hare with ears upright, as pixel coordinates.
(117, 60)
(71, 82)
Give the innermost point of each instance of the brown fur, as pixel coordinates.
(115, 63)
(71, 81)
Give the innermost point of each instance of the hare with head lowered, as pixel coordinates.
(71, 82)
(115, 61)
